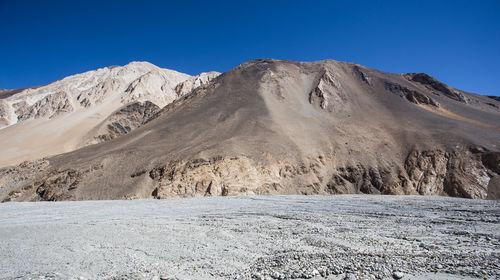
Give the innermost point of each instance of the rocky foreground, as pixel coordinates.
(253, 237)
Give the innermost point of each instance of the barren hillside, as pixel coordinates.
(269, 127)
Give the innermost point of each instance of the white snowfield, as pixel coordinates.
(252, 237)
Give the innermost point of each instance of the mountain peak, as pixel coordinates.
(140, 64)
(277, 127)
(89, 98)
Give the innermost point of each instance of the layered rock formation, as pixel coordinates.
(269, 127)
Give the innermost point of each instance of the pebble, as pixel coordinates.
(348, 254)
(397, 274)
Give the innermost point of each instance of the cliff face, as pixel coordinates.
(269, 127)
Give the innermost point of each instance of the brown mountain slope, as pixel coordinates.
(272, 126)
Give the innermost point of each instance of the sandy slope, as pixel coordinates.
(254, 237)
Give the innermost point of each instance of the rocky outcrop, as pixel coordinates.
(365, 179)
(328, 93)
(427, 172)
(98, 93)
(6, 112)
(424, 172)
(490, 159)
(56, 185)
(125, 120)
(361, 73)
(188, 85)
(460, 174)
(217, 176)
(155, 86)
(50, 106)
(434, 85)
(413, 96)
(496, 98)
(15, 178)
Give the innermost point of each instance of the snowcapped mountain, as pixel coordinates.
(80, 102)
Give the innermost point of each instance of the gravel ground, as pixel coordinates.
(252, 237)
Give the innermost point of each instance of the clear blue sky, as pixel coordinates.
(458, 42)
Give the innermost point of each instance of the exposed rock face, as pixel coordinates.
(497, 98)
(18, 177)
(98, 93)
(328, 93)
(429, 172)
(424, 172)
(269, 127)
(459, 173)
(491, 160)
(201, 79)
(125, 120)
(411, 95)
(54, 186)
(50, 106)
(365, 78)
(434, 85)
(6, 113)
(218, 176)
(149, 85)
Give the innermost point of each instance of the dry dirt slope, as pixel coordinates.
(288, 127)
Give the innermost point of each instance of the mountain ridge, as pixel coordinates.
(71, 107)
(271, 126)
